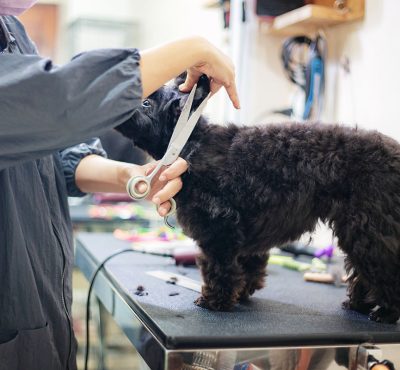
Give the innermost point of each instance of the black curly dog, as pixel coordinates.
(251, 188)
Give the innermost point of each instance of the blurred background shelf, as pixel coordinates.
(311, 17)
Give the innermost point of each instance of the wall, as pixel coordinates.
(369, 95)
(159, 20)
(153, 22)
(262, 84)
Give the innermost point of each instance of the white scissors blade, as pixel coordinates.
(177, 145)
(184, 116)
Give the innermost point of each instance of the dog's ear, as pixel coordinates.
(203, 85)
(203, 89)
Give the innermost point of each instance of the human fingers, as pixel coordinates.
(192, 77)
(230, 89)
(214, 86)
(164, 208)
(170, 189)
(233, 94)
(149, 167)
(174, 170)
(222, 74)
(141, 187)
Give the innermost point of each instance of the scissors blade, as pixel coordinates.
(184, 116)
(177, 145)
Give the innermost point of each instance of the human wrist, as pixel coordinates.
(125, 172)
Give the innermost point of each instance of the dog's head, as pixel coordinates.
(151, 125)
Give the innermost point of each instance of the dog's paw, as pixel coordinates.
(201, 302)
(213, 305)
(346, 305)
(221, 305)
(384, 315)
(349, 305)
(244, 298)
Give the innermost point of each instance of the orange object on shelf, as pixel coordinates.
(312, 17)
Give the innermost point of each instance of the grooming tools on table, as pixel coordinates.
(184, 252)
(179, 138)
(162, 242)
(316, 271)
(292, 264)
(177, 279)
(298, 249)
(335, 277)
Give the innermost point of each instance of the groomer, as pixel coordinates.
(45, 109)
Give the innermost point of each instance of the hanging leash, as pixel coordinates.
(304, 62)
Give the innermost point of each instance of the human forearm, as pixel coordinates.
(167, 61)
(98, 174)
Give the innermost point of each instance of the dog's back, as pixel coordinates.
(308, 169)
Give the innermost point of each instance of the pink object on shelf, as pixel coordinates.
(186, 255)
(99, 198)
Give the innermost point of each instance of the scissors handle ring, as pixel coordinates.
(173, 207)
(131, 187)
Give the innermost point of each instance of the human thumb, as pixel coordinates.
(191, 79)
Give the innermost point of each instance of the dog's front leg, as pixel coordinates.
(254, 268)
(224, 280)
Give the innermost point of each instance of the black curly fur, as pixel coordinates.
(251, 188)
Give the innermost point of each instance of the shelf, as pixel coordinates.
(310, 18)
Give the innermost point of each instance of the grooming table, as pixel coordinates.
(289, 319)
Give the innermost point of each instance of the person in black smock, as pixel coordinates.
(49, 116)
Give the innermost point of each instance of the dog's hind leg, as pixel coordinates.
(254, 268)
(358, 295)
(373, 264)
(224, 280)
(374, 284)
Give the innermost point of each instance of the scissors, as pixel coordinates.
(179, 138)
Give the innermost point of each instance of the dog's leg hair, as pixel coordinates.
(224, 280)
(358, 299)
(372, 263)
(254, 267)
(367, 290)
(215, 226)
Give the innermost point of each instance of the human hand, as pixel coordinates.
(165, 185)
(219, 69)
